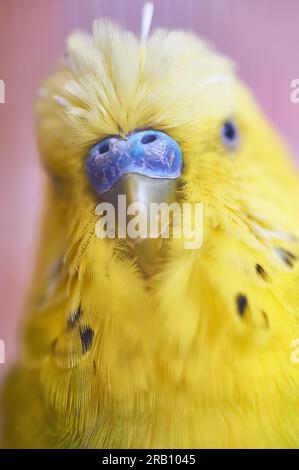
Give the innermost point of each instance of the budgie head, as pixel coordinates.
(167, 119)
(170, 109)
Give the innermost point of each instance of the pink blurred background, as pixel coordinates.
(262, 36)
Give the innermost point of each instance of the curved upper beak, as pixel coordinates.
(142, 169)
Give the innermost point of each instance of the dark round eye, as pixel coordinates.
(230, 135)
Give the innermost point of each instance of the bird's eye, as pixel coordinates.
(230, 135)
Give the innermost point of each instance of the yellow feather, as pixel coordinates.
(198, 355)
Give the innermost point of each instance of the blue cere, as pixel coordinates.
(150, 153)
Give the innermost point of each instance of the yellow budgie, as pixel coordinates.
(159, 346)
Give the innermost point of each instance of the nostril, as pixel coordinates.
(148, 138)
(104, 148)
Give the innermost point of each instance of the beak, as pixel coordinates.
(144, 170)
(144, 191)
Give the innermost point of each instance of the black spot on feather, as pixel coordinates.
(266, 319)
(288, 257)
(94, 366)
(86, 336)
(241, 303)
(54, 342)
(74, 318)
(261, 272)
